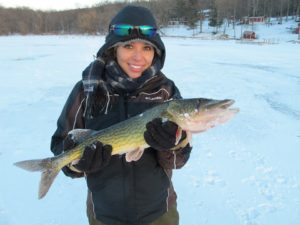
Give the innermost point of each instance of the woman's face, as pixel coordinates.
(134, 58)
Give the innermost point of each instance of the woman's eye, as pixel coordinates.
(128, 46)
(148, 48)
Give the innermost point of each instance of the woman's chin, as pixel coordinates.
(134, 75)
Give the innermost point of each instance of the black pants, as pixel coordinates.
(169, 218)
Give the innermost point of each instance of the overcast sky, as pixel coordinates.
(50, 4)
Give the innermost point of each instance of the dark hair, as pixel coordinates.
(109, 54)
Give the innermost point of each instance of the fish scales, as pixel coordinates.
(125, 136)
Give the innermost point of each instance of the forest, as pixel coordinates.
(95, 19)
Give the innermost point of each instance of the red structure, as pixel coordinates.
(249, 35)
(253, 19)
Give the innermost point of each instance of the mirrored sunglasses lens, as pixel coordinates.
(122, 30)
(125, 30)
(147, 31)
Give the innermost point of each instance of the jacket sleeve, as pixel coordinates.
(70, 118)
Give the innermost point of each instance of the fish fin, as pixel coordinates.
(47, 179)
(49, 170)
(134, 155)
(34, 165)
(189, 137)
(78, 135)
(178, 135)
(184, 142)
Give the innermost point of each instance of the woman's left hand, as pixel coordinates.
(162, 135)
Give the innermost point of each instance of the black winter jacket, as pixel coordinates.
(132, 193)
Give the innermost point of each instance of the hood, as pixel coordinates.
(136, 16)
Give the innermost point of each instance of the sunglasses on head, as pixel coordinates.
(126, 30)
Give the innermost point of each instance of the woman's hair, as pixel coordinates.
(109, 54)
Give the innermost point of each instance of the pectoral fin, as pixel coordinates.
(184, 142)
(178, 135)
(134, 155)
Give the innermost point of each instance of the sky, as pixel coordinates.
(50, 4)
(245, 172)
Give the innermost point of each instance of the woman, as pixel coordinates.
(122, 82)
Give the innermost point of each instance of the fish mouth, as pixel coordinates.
(211, 114)
(218, 104)
(226, 103)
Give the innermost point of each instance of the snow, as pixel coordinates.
(273, 31)
(244, 172)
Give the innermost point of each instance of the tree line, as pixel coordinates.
(95, 20)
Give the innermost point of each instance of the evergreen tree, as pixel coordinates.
(193, 13)
(214, 19)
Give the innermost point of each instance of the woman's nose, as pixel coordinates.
(137, 55)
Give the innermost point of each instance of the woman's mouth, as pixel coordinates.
(135, 68)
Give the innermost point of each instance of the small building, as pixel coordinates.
(205, 13)
(249, 35)
(177, 21)
(296, 30)
(253, 19)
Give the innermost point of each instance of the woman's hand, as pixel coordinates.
(163, 135)
(95, 157)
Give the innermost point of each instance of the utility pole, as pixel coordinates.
(298, 31)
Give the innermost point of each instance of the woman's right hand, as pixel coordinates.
(95, 157)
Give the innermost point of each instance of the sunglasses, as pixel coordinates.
(126, 30)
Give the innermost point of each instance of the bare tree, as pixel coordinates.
(96, 19)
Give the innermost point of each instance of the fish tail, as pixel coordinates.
(47, 179)
(34, 165)
(49, 169)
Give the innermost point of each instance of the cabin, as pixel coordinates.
(177, 21)
(249, 35)
(253, 19)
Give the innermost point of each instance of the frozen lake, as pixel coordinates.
(245, 172)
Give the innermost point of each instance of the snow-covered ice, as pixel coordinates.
(244, 172)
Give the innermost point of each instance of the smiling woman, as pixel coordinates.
(123, 81)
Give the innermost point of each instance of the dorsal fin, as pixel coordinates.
(78, 135)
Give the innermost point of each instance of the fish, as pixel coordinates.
(194, 115)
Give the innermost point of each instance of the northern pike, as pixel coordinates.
(127, 137)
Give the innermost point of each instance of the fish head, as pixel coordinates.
(199, 114)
